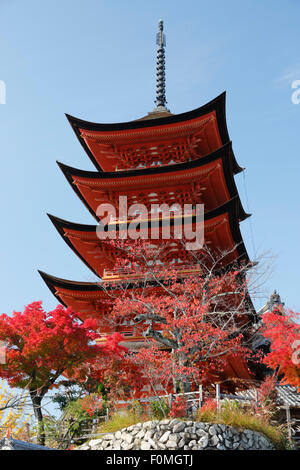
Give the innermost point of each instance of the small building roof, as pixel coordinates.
(286, 395)
(15, 444)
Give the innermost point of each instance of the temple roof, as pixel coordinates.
(120, 145)
(208, 180)
(90, 299)
(221, 233)
(86, 298)
(93, 300)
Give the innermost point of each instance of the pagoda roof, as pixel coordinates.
(221, 232)
(86, 298)
(107, 144)
(208, 180)
(92, 299)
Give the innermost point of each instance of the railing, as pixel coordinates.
(89, 433)
(196, 397)
(122, 272)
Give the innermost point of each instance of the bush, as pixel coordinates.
(178, 409)
(73, 420)
(137, 408)
(159, 409)
(235, 415)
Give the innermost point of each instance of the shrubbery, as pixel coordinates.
(232, 413)
(159, 409)
(178, 409)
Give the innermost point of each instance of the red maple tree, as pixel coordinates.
(194, 325)
(41, 346)
(282, 329)
(119, 373)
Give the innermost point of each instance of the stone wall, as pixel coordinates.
(173, 434)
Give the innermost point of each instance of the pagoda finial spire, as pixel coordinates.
(160, 69)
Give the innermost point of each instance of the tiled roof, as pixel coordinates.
(15, 444)
(287, 395)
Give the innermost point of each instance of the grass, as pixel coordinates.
(122, 420)
(245, 419)
(235, 416)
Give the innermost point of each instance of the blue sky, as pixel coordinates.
(96, 60)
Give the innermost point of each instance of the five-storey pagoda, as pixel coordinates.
(160, 158)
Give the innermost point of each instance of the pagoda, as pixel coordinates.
(160, 158)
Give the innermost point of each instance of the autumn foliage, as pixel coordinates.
(210, 405)
(13, 413)
(283, 332)
(178, 409)
(194, 326)
(41, 346)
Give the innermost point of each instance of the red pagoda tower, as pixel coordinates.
(160, 158)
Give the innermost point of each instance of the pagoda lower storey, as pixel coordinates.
(96, 300)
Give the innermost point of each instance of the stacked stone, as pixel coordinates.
(176, 434)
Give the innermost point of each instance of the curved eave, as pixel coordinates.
(225, 153)
(60, 224)
(53, 283)
(218, 105)
(233, 208)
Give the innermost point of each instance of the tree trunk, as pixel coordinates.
(184, 383)
(36, 402)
